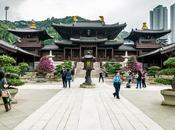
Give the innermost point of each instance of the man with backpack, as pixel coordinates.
(117, 83)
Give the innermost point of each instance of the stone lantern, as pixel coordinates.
(88, 60)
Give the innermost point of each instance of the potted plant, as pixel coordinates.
(168, 77)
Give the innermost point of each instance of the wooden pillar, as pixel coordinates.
(80, 54)
(112, 53)
(71, 54)
(105, 54)
(96, 52)
(64, 54)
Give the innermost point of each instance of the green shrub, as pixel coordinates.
(164, 81)
(12, 69)
(24, 67)
(6, 60)
(153, 70)
(170, 70)
(14, 82)
(67, 64)
(170, 62)
(58, 70)
(112, 67)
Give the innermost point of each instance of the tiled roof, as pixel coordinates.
(14, 49)
(50, 47)
(126, 47)
(41, 34)
(136, 34)
(160, 50)
(89, 39)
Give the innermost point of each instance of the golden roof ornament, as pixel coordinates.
(144, 27)
(33, 24)
(75, 19)
(101, 18)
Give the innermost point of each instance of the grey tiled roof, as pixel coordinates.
(160, 50)
(15, 49)
(63, 42)
(50, 47)
(126, 47)
(89, 39)
(136, 34)
(41, 34)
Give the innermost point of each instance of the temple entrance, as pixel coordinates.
(92, 51)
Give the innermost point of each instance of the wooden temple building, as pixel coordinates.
(30, 39)
(94, 36)
(20, 55)
(147, 44)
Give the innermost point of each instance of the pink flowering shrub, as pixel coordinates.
(46, 65)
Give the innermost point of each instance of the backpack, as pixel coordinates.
(116, 79)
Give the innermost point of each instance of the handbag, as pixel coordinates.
(4, 93)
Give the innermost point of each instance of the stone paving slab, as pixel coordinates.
(88, 109)
(29, 100)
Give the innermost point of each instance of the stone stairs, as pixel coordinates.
(81, 73)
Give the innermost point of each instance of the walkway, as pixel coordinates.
(88, 109)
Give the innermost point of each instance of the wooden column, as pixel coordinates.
(105, 54)
(64, 54)
(80, 54)
(96, 52)
(112, 53)
(71, 54)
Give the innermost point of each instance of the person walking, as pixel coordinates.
(116, 84)
(143, 79)
(68, 77)
(73, 73)
(4, 93)
(63, 75)
(101, 76)
(130, 77)
(139, 80)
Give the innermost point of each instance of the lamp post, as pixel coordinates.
(88, 60)
(6, 9)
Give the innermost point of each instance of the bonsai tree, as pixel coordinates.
(6, 61)
(45, 65)
(12, 71)
(168, 74)
(112, 67)
(153, 71)
(24, 67)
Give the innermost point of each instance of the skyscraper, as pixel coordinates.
(159, 18)
(172, 22)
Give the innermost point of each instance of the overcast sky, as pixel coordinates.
(133, 12)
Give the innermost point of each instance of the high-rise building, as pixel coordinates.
(159, 18)
(172, 22)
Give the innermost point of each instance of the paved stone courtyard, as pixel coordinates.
(91, 109)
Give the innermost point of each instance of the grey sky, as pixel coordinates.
(133, 12)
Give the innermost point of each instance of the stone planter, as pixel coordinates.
(13, 92)
(169, 97)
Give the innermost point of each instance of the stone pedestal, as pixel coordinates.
(85, 85)
(169, 97)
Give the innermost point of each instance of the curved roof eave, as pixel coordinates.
(42, 34)
(134, 35)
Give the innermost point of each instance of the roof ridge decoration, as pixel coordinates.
(144, 27)
(33, 24)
